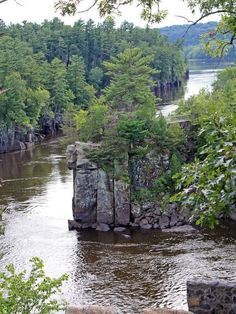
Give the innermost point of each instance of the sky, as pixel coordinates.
(39, 10)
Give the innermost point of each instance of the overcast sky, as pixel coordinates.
(39, 10)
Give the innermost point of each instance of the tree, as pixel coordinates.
(83, 92)
(131, 83)
(12, 102)
(206, 187)
(152, 13)
(60, 94)
(23, 293)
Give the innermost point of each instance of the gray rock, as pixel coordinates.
(134, 225)
(180, 229)
(137, 220)
(164, 311)
(85, 198)
(164, 221)
(102, 227)
(122, 203)
(105, 210)
(119, 229)
(136, 210)
(156, 226)
(173, 219)
(143, 222)
(147, 205)
(73, 225)
(157, 211)
(86, 225)
(91, 309)
(147, 226)
(232, 215)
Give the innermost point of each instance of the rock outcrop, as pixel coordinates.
(96, 309)
(22, 138)
(103, 201)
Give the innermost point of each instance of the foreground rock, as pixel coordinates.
(91, 309)
(96, 309)
(217, 297)
(164, 311)
(181, 229)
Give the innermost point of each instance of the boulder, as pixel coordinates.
(90, 309)
(164, 311)
(164, 221)
(181, 229)
(105, 210)
(122, 203)
(85, 198)
(102, 227)
(119, 229)
(136, 210)
(232, 215)
(147, 226)
(73, 225)
(174, 219)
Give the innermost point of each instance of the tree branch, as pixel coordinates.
(202, 17)
(89, 8)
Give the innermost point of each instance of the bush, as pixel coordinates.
(22, 293)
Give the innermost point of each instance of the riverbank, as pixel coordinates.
(23, 138)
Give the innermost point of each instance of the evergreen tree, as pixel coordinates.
(60, 94)
(83, 92)
(131, 83)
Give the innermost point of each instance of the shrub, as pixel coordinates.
(22, 293)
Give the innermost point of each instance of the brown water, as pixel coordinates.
(143, 268)
(148, 268)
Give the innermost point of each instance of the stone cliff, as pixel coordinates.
(102, 200)
(20, 138)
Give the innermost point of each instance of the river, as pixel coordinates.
(149, 268)
(202, 74)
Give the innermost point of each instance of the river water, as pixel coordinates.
(202, 74)
(144, 268)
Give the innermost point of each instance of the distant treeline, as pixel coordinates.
(45, 68)
(191, 39)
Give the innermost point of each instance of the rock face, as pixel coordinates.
(91, 309)
(211, 297)
(164, 311)
(105, 198)
(122, 203)
(96, 309)
(103, 201)
(17, 138)
(85, 198)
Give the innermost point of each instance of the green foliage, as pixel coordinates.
(61, 65)
(90, 124)
(60, 94)
(12, 102)
(129, 89)
(150, 11)
(95, 78)
(27, 293)
(207, 186)
(84, 94)
(132, 130)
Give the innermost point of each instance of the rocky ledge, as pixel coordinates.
(103, 202)
(96, 309)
